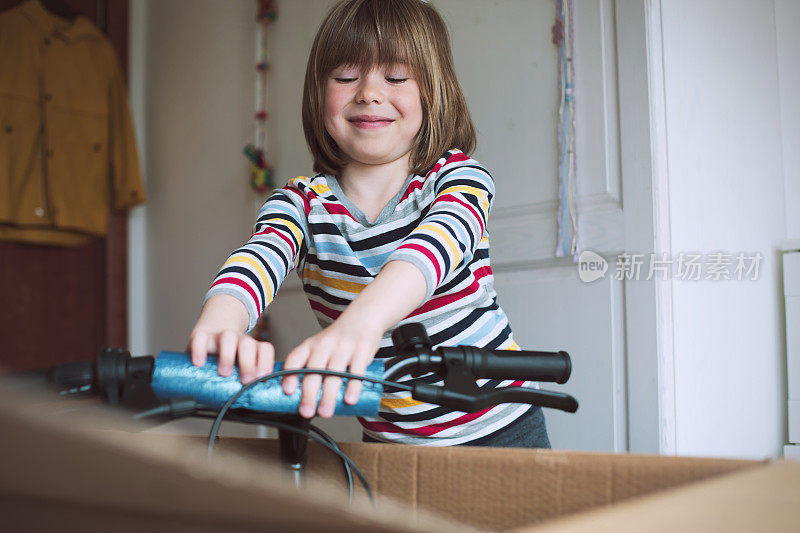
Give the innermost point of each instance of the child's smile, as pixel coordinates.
(369, 122)
(373, 116)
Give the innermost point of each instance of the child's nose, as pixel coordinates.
(369, 91)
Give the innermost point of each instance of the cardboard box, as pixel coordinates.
(66, 474)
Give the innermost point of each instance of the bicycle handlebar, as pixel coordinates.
(144, 383)
(173, 376)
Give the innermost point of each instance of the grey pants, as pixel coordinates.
(527, 431)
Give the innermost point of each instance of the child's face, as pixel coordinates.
(373, 116)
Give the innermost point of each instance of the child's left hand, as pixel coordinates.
(352, 341)
(348, 344)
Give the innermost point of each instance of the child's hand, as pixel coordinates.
(220, 330)
(255, 357)
(345, 345)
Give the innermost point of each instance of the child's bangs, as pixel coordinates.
(373, 34)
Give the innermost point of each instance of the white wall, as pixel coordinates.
(726, 193)
(197, 115)
(138, 273)
(787, 30)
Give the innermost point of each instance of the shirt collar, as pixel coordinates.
(51, 24)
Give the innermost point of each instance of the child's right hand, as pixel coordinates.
(220, 329)
(255, 358)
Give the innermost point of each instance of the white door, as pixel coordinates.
(507, 65)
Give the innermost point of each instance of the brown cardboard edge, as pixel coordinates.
(47, 461)
(762, 498)
(479, 486)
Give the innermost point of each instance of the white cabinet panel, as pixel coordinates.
(551, 309)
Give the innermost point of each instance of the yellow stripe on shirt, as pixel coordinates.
(444, 235)
(340, 284)
(259, 268)
(296, 231)
(474, 191)
(399, 403)
(320, 188)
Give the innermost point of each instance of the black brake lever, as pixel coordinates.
(471, 402)
(461, 392)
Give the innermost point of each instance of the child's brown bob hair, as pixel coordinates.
(368, 33)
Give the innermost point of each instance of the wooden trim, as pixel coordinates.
(115, 26)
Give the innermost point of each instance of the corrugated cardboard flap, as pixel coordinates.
(58, 475)
(498, 489)
(765, 498)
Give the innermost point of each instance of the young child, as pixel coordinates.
(392, 229)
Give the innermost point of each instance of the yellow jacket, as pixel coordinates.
(67, 148)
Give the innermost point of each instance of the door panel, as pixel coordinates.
(513, 96)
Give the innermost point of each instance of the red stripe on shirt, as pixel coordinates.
(337, 209)
(417, 184)
(306, 203)
(427, 431)
(441, 301)
(427, 253)
(328, 312)
(454, 158)
(482, 272)
(280, 234)
(413, 186)
(243, 285)
(457, 158)
(471, 208)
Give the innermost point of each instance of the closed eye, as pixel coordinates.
(345, 80)
(396, 80)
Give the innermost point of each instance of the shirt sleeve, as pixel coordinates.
(254, 272)
(450, 232)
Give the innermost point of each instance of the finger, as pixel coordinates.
(331, 387)
(247, 358)
(311, 382)
(357, 366)
(296, 359)
(197, 348)
(266, 359)
(227, 352)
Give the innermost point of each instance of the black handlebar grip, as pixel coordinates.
(554, 367)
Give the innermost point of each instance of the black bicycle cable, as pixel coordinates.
(308, 434)
(236, 417)
(348, 474)
(325, 372)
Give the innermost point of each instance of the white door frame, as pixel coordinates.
(649, 331)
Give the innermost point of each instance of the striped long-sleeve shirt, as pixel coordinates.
(438, 223)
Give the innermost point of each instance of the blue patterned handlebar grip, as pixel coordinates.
(174, 376)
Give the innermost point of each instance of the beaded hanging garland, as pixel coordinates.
(567, 244)
(261, 179)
